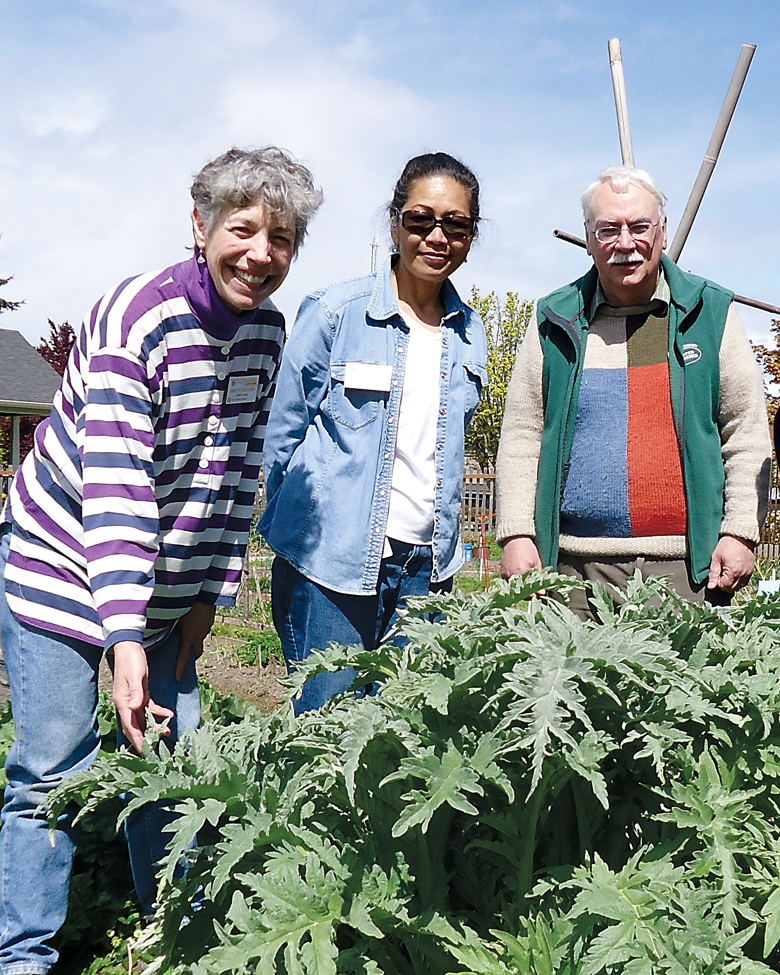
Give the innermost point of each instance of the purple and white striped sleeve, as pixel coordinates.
(120, 513)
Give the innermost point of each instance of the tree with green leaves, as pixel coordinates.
(505, 324)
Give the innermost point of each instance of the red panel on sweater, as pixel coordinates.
(655, 482)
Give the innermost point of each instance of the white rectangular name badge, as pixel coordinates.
(242, 389)
(368, 375)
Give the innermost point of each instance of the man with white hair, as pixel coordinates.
(635, 433)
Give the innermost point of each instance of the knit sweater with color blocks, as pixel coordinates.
(624, 494)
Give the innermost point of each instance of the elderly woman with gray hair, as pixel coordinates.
(128, 522)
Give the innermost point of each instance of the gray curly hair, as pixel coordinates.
(244, 177)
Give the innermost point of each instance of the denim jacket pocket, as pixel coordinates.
(476, 381)
(352, 408)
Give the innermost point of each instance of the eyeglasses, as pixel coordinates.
(422, 224)
(640, 231)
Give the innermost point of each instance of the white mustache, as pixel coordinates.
(621, 257)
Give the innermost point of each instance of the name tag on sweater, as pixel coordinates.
(242, 389)
(368, 375)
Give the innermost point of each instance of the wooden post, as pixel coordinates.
(484, 550)
(16, 439)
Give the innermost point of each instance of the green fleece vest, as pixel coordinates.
(697, 316)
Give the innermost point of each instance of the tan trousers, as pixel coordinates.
(616, 571)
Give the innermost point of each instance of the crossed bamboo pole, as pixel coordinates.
(621, 101)
(710, 157)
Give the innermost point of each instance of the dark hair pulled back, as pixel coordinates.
(435, 164)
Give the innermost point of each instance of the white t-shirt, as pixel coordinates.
(412, 492)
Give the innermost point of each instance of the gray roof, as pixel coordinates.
(27, 381)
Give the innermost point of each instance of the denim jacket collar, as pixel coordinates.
(383, 304)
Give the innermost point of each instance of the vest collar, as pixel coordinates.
(686, 288)
(575, 301)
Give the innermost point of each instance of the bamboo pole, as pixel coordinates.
(752, 302)
(713, 150)
(621, 102)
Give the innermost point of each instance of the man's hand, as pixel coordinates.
(520, 554)
(131, 691)
(732, 564)
(194, 627)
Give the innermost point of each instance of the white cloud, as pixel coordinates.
(326, 109)
(111, 105)
(359, 49)
(237, 25)
(75, 112)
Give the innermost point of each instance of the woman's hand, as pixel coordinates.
(194, 627)
(131, 691)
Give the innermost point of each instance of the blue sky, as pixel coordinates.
(107, 108)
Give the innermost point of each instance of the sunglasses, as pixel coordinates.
(421, 224)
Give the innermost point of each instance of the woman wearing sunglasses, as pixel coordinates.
(365, 444)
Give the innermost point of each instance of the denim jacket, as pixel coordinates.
(329, 448)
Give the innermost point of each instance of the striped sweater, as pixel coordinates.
(136, 500)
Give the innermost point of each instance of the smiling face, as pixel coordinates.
(628, 269)
(248, 252)
(431, 258)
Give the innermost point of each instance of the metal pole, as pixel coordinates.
(621, 103)
(752, 302)
(763, 305)
(713, 150)
(569, 238)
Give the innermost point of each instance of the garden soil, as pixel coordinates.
(260, 685)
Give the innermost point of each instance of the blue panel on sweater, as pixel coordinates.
(595, 501)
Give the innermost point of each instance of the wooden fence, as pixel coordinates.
(770, 540)
(479, 501)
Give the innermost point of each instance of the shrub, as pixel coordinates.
(528, 793)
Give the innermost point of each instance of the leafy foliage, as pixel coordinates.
(7, 736)
(260, 648)
(527, 793)
(103, 911)
(769, 360)
(56, 349)
(505, 325)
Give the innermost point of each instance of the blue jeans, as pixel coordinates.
(54, 695)
(308, 616)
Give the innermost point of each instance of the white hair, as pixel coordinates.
(620, 178)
